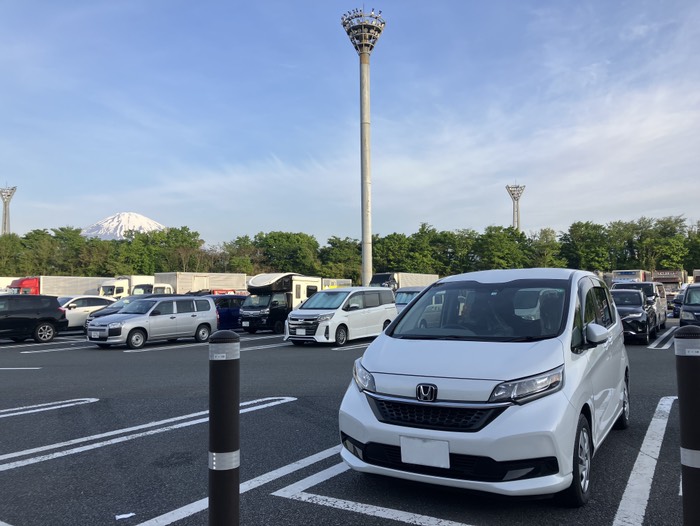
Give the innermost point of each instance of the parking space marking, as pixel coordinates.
(203, 504)
(297, 491)
(664, 341)
(636, 496)
(350, 347)
(268, 402)
(4, 413)
(19, 369)
(165, 347)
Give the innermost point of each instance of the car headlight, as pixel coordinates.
(264, 312)
(325, 317)
(116, 324)
(687, 315)
(528, 389)
(363, 378)
(633, 315)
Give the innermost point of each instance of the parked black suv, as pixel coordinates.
(25, 316)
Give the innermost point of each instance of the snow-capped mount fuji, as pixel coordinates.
(114, 227)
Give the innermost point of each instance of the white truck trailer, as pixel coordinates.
(396, 280)
(124, 285)
(184, 282)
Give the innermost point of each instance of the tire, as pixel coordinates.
(298, 342)
(341, 335)
(136, 339)
(279, 327)
(645, 338)
(386, 324)
(580, 490)
(623, 421)
(104, 345)
(202, 333)
(44, 332)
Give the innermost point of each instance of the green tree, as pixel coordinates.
(585, 247)
(289, 252)
(500, 247)
(342, 258)
(544, 249)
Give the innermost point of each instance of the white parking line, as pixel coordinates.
(19, 369)
(269, 402)
(45, 407)
(636, 496)
(297, 492)
(203, 504)
(664, 341)
(350, 347)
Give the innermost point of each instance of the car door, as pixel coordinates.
(356, 315)
(162, 321)
(186, 317)
(605, 358)
(374, 314)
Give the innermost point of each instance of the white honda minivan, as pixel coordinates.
(342, 314)
(510, 388)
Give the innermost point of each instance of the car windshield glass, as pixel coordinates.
(627, 297)
(325, 300)
(519, 310)
(402, 298)
(138, 307)
(692, 297)
(256, 301)
(646, 288)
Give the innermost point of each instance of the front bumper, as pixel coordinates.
(526, 450)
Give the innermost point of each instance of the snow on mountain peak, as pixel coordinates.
(114, 227)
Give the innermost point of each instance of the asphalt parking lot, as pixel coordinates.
(96, 437)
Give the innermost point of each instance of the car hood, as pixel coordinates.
(497, 361)
(111, 318)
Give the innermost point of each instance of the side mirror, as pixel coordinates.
(596, 334)
(651, 301)
(72, 306)
(275, 303)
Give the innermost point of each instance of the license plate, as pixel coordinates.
(301, 332)
(94, 334)
(245, 323)
(426, 452)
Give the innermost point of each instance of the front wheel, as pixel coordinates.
(580, 490)
(623, 421)
(278, 327)
(136, 339)
(44, 332)
(202, 333)
(386, 324)
(341, 336)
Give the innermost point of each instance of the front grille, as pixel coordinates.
(310, 325)
(462, 467)
(432, 416)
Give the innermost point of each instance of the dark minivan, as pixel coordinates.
(34, 316)
(690, 310)
(228, 306)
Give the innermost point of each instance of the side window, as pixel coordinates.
(577, 333)
(165, 307)
(386, 297)
(202, 305)
(185, 306)
(371, 299)
(590, 310)
(311, 290)
(297, 291)
(281, 298)
(236, 302)
(356, 301)
(604, 307)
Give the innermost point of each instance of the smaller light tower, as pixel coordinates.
(515, 191)
(6, 195)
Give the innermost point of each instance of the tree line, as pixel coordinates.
(669, 243)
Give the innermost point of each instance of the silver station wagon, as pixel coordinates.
(156, 318)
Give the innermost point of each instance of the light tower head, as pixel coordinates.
(363, 29)
(6, 195)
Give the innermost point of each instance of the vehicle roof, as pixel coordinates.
(353, 289)
(261, 280)
(500, 275)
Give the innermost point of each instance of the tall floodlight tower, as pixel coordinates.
(6, 195)
(515, 192)
(364, 30)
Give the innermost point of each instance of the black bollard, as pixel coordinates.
(224, 428)
(687, 346)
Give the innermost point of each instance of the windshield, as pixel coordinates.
(646, 288)
(107, 290)
(402, 298)
(627, 297)
(138, 307)
(325, 299)
(692, 297)
(521, 310)
(256, 301)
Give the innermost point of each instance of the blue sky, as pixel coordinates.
(236, 118)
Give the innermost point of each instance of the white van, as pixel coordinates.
(342, 314)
